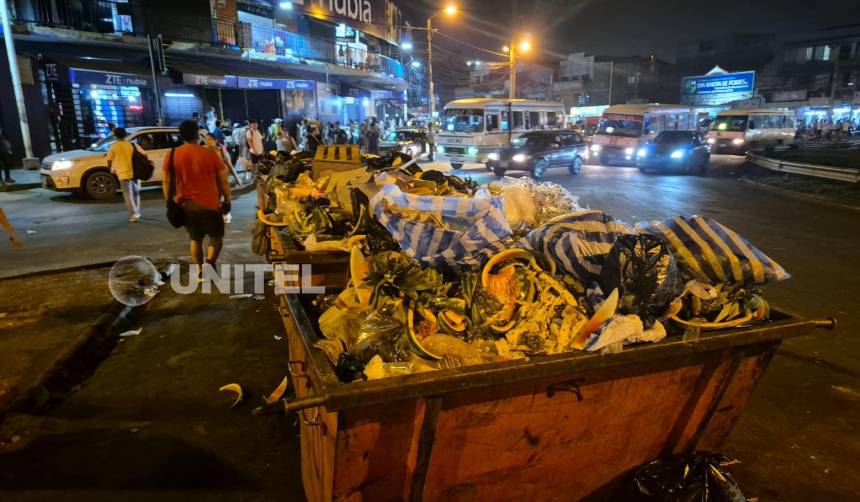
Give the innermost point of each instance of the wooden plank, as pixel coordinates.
(515, 442)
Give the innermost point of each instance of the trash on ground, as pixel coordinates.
(278, 393)
(133, 332)
(700, 477)
(235, 388)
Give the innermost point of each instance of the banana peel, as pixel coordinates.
(235, 388)
(606, 310)
(278, 393)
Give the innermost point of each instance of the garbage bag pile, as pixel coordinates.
(445, 273)
(698, 477)
(324, 214)
(580, 282)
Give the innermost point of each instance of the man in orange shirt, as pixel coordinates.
(202, 190)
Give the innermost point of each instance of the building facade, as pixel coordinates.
(88, 63)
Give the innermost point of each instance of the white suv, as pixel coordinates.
(86, 171)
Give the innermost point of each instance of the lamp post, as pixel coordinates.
(16, 82)
(450, 11)
(513, 55)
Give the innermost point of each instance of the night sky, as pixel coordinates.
(626, 27)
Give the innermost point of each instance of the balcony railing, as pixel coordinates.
(96, 16)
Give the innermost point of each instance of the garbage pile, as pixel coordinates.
(445, 273)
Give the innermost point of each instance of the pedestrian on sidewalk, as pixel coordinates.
(5, 160)
(254, 139)
(13, 237)
(203, 192)
(120, 163)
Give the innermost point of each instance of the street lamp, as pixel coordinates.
(416, 64)
(450, 10)
(512, 50)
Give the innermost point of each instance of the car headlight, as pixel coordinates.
(440, 148)
(595, 148)
(642, 152)
(628, 151)
(711, 141)
(472, 150)
(738, 141)
(493, 156)
(678, 154)
(520, 157)
(59, 165)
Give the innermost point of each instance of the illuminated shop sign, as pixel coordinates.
(717, 89)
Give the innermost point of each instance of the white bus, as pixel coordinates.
(736, 131)
(475, 127)
(624, 128)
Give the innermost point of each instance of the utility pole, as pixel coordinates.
(16, 81)
(611, 71)
(512, 62)
(432, 99)
(154, 81)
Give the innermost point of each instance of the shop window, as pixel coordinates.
(492, 122)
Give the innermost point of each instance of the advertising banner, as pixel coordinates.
(85, 77)
(369, 16)
(717, 89)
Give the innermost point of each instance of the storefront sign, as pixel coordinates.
(88, 77)
(717, 89)
(209, 80)
(376, 17)
(262, 9)
(273, 83)
(350, 91)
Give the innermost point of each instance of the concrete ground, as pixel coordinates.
(797, 439)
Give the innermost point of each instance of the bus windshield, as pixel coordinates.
(737, 123)
(462, 120)
(617, 127)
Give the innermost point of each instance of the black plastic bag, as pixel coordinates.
(699, 477)
(645, 273)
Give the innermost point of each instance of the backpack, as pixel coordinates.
(141, 167)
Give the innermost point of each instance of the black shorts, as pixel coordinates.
(200, 222)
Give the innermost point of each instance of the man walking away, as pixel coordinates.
(203, 192)
(373, 138)
(5, 159)
(119, 161)
(254, 139)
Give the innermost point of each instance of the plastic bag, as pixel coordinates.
(529, 203)
(645, 273)
(448, 233)
(713, 253)
(577, 243)
(699, 477)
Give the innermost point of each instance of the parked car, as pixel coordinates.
(86, 171)
(409, 141)
(686, 151)
(537, 151)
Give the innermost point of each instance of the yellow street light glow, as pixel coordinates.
(525, 46)
(451, 10)
(506, 48)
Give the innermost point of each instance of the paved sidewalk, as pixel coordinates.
(25, 179)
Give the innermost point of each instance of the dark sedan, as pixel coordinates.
(409, 141)
(684, 151)
(538, 151)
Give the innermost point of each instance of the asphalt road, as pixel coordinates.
(798, 438)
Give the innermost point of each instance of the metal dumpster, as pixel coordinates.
(561, 427)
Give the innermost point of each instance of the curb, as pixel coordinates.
(17, 187)
(801, 196)
(61, 270)
(76, 362)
